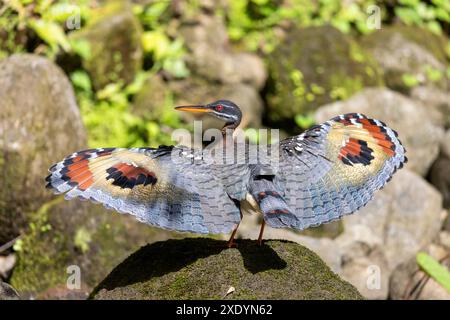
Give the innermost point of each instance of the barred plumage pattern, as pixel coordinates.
(330, 170)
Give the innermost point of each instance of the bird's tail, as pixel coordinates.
(276, 212)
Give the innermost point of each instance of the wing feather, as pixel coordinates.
(334, 168)
(148, 184)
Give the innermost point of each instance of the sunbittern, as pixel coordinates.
(330, 170)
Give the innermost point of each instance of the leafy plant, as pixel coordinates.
(434, 269)
(305, 121)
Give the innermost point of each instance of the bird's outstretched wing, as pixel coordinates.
(333, 169)
(166, 187)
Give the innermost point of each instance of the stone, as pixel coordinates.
(151, 101)
(408, 281)
(314, 66)
(444, 239)
(78, 234)
(412, 51)
(415, 216)
(40, 124)
(7, 292)
(437, 99)
(39, 121)
(415, 124)
(204, 269)
(440, 178)
(212, 58)
(114, 39)
(367, 271)
(445, 144)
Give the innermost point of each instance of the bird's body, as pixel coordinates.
(329, 171)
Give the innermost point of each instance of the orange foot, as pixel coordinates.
(231, 244)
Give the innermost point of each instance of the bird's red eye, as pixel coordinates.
(219, 107)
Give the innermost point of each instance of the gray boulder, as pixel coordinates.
(408, 281)
(412, 51)
(204, 269)
(418, 127)
(440, 178)
(436, 99)
(39, 121)
(212, 58)
(39, 125)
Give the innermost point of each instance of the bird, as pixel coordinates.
(328, 171)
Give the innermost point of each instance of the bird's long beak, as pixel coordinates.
(195, 108)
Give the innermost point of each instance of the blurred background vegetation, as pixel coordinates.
(287, 63)
(65, 31)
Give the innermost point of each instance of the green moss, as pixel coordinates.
(315, 66)
(39, 266)
(200, 268)
(403, 73)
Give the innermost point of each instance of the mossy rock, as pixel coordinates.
(39, 121)
(73, 233)
(315, 66)
(113, 37)
(200, 268)
(409, 56)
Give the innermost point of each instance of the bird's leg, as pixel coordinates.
(231, 243)
(261, 232)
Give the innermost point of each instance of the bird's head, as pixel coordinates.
(222, 109)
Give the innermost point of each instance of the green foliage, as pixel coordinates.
(253, 24)
(82, 239)
(166, 53)
(109, 121)
(410, 80)
(305, 121)
(429, 15)
(434, 269)
(255, 21)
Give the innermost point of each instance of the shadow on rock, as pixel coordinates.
(160, 258)
(201, 268)
(259, 258)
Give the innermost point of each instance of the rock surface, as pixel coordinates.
(416, 125)
(211, 56)
(440, 177)
(434, 98)
(314, 66)
(39, 121)
(114, 39)
(408, 281)
(199, 268)
(39, 125)
(410, 51)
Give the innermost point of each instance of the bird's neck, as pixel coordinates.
(230, 126)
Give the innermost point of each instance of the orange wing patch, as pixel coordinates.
(128, 175)
(377, 131)
(356, 151)
(76, 169)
